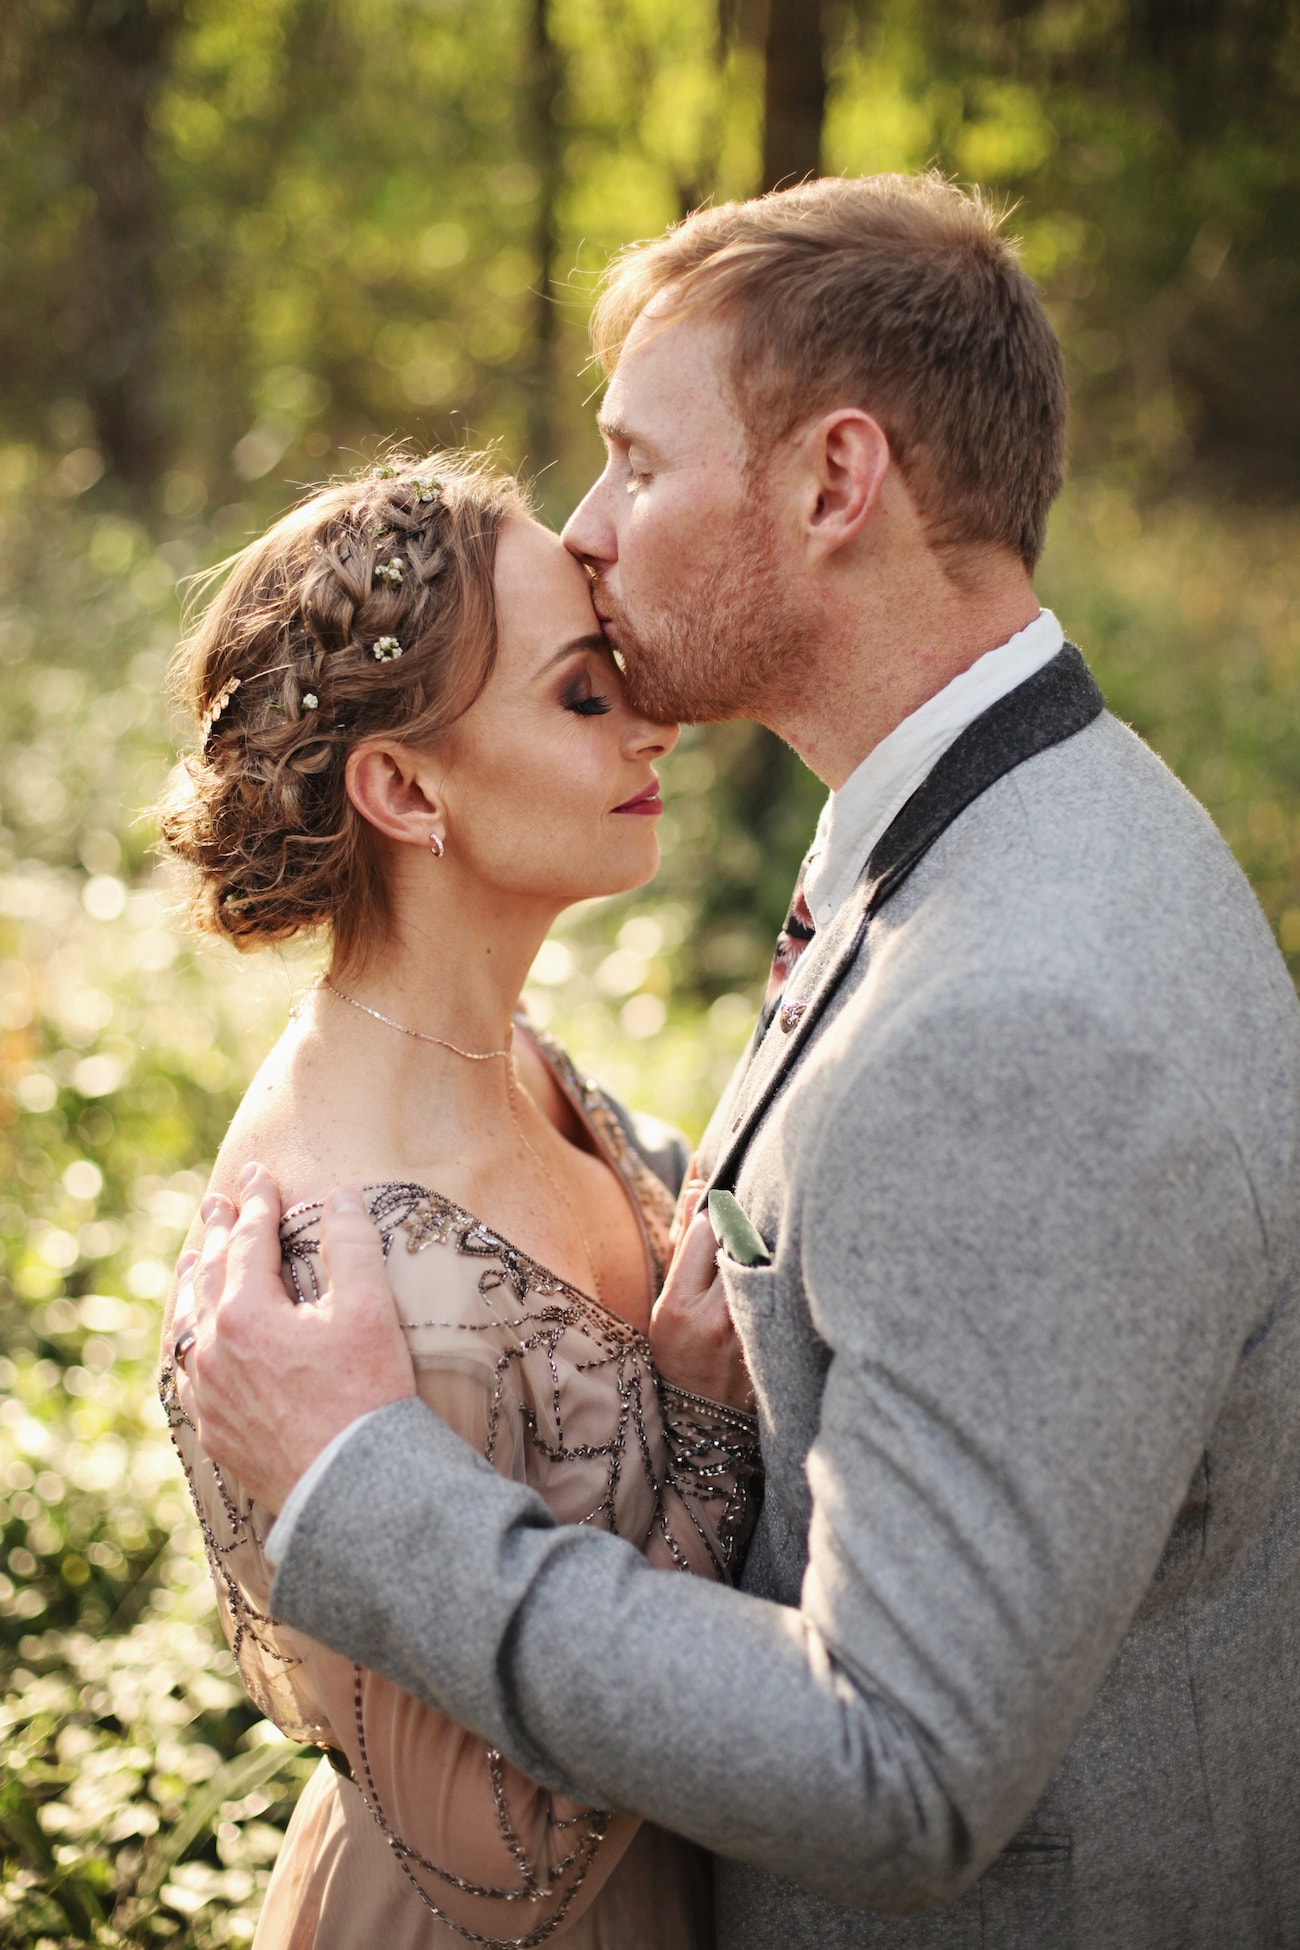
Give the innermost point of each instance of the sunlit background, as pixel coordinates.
(242, 242)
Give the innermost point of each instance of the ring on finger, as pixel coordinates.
(182, 1344)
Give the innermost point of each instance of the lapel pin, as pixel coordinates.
(790, 1014)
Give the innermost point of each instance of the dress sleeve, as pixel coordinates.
(555, 1392)
(485, 1848)
(713, 1481)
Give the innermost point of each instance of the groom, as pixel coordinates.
(1016, 1660)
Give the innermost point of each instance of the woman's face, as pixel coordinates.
(549, 786)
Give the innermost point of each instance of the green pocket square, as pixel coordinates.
(738, 1237)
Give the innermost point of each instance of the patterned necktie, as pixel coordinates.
(790, 943)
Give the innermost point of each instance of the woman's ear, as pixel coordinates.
(847, 456)
(396, 790)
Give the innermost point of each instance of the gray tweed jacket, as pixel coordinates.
(1017, 1658)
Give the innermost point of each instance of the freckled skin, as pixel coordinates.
(691, 576)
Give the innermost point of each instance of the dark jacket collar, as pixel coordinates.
(1047, 708)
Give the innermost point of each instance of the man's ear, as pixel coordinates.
(395, 789)
(846, 456)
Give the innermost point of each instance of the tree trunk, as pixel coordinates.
(123, 51)
(544, 80)
(794, 92)
(794, 103)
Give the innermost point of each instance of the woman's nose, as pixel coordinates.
(653, 740)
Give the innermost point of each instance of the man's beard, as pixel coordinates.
(728, 647)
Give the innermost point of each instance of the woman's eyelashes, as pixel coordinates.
(580, 697)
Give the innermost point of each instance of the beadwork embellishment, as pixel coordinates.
(687, 1467)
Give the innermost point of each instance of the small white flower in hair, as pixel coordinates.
(427, 490)
(390, 572)
(310, 701)
(386, 648)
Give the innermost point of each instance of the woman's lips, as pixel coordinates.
(645, 802)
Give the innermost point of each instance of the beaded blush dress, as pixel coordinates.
(412, 1834)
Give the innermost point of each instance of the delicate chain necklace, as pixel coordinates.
(420, 1035)
(512, 1087)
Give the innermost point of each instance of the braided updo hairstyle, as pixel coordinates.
(367, 611)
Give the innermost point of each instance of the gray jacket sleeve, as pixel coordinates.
(1033, 1254)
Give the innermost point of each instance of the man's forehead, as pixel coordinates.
(668, 367)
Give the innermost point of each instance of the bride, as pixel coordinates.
(414, 739)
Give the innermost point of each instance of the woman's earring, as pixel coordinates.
(436, 846)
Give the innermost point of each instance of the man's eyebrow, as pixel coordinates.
(619, 434)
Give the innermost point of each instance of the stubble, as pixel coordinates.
(726, 645)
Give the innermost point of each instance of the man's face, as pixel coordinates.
(687, 550)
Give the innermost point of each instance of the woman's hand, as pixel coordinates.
(688, 1204)
(692, 1337)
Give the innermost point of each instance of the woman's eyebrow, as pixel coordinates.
(575, 647)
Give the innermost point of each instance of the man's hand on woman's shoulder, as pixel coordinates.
(266, 1383)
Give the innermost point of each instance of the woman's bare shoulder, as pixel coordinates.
(308, 1137)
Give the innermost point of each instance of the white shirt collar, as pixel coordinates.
(854, 818)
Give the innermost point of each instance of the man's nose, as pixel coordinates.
(588, 533)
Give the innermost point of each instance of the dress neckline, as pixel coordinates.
(468, 1223)
(610, 1144)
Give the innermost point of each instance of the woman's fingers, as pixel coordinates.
(690, 1312)
(692, 1335)
(695, 1267)
(688, 1204)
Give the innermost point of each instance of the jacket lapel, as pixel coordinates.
(1056, 702)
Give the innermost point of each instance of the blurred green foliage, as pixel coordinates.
(336, 221)
(239, 236)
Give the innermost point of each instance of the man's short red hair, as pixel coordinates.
(897, 294)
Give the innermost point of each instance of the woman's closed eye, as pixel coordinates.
(580, 697)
